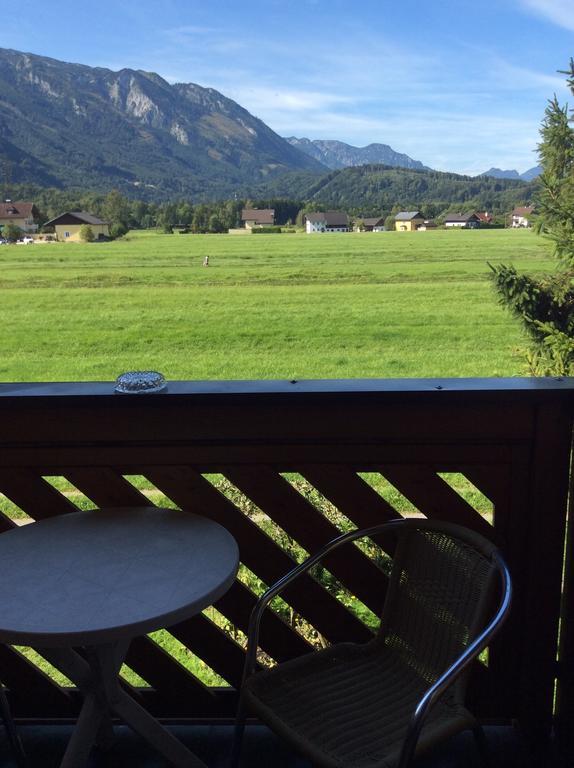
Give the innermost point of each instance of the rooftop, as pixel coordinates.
(408, 215)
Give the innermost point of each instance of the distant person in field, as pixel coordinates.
(206, 261)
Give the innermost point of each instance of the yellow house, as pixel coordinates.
(67, 226)
(23, 215)
(408, 221)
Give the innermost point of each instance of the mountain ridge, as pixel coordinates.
(338, 154)
(142, 131)
(498, 173)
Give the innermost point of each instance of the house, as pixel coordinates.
(408, 221)
(23, 215)
(67, 226)
(257, 217)
(462, 220)
(326, 221)
(485, 217)
(521, 216)
(427, 224)
(374, 224)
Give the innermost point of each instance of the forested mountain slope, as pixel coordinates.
(72, 125)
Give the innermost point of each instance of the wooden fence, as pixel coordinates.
(510, 438)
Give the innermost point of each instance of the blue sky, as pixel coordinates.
(461, 86)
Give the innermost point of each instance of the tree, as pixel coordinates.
(118, 229)
(87, 233)
(116, 211)
(215, 224)
(390, 222)
(11, 232)
(545, 305)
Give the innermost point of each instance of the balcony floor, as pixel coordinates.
(45, 745)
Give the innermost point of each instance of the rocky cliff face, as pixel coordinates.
(337, 154)
(92, 127)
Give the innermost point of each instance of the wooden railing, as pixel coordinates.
(510, 439)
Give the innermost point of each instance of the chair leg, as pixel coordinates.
(12, 733)
(238, 732)
(481, 745)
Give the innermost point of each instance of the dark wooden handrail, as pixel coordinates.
(510, 438)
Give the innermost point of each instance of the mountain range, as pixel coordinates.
(529, 175)
(76, 127)
(337, 154)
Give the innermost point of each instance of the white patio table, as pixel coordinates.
(98, 579)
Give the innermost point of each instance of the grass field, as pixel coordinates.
(268, 306)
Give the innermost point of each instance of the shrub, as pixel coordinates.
(86, 233)
(266, 231)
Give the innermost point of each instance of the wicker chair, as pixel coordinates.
(381, 704)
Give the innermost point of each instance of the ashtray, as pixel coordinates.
(140, 383)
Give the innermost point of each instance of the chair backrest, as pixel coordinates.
(441, 591)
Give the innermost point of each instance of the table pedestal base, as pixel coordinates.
(97, 679)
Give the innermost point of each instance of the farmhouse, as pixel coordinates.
(427, 224)
(521, 216)
(408, 221)
(67, 226)
(462, 220)
(326, 221)
(373, 224)
(257, 217)
(485, 217)
(21, 214)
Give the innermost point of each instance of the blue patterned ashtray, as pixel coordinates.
(140, 383)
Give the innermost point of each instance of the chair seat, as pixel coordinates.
(350, 705)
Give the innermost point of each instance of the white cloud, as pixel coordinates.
(560, 12)
(512, 76)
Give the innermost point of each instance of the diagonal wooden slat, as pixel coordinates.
(6, 524)
(165, 674)
(311, 529)
(33, 494)
(434, 497)
(106, 487)
(493, 481)
(276, 637)
(31, 686)
(212, 645)
(350, 493)
(260, 554)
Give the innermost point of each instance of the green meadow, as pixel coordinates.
(268, 306)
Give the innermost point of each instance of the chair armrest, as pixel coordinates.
(284, 581)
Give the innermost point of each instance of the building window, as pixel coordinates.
(66, 234)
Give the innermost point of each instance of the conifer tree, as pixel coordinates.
(545, 305)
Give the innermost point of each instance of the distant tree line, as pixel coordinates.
(124, 213)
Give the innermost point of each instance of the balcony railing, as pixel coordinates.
(508, 440)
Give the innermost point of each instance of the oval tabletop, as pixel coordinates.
(99, 576)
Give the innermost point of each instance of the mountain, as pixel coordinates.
(337, 154)
(374, 189)
(531, 173)
(71, 125)
(497, 173)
